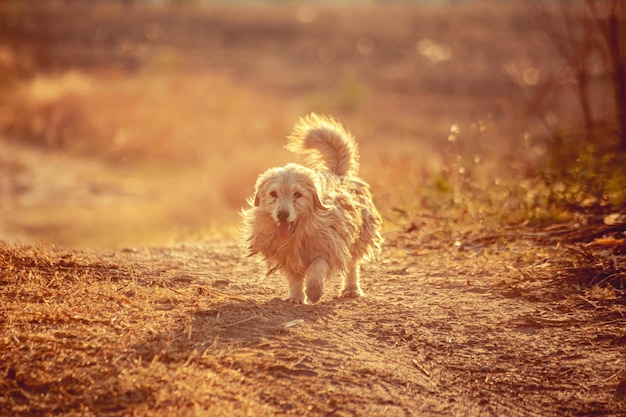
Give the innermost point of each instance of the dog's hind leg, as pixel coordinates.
(316, 277)
(351, 287)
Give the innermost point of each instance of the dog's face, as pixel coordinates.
(289, 195)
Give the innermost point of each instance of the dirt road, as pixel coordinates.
(192, 330)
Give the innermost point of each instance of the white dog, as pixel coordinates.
(317, 220)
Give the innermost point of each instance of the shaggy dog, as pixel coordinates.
(315, 220)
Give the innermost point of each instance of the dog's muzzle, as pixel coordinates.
(283, 226)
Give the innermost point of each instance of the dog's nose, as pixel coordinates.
(282, 215)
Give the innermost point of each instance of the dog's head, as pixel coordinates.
(289, 195)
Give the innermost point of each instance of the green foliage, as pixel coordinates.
(585, 175)
(585, 169)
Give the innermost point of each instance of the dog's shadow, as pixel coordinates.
(250, 323)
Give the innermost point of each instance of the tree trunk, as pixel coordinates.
(617, 50)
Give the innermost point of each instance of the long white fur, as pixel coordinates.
(326, 143)
(333, 224)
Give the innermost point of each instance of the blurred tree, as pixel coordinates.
(609, 16)
(580, 31)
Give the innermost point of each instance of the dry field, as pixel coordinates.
(157, 121)
(130, 137)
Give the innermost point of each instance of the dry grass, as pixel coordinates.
(93, 336)
(169, 148)
(194, 115)
(173, 117)
(193, 144)
(189, 330)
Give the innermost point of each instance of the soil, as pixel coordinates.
(194, 329)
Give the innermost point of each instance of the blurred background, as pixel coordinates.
(129, 123)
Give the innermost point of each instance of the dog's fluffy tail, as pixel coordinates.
(326, 144)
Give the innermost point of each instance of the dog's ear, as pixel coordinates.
(260, 188)
(257, 194)
(317, 201)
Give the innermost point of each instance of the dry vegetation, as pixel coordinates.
(127, 129)
(483, 329)
(168, 95)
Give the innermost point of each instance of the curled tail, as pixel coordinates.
(326, 144)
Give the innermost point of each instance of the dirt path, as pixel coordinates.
(191, 328)
(435, 337)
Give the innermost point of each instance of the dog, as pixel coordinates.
(315, 220)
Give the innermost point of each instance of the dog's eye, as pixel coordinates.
(297, 195)
(273, 194)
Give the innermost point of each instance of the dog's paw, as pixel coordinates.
(351, 293)
(294, 300)
(314, 292)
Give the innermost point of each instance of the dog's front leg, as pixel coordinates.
(315, 279)
(296, 288)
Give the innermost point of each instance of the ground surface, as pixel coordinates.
(193, 327)
(127, 127)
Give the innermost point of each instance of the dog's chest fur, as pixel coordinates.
(327, 237)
